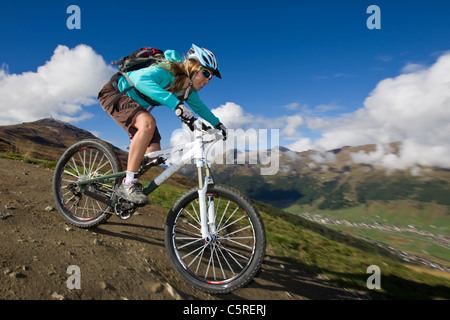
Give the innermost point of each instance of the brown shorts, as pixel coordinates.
(124, 110)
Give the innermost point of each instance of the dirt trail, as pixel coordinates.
(118, 260)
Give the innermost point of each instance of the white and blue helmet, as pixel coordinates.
(205, 57)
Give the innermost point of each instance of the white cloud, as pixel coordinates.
(413, 108)
(246, 131)
(302, 144)
(235, 117)
(60, 88)
(292, 123)
(384, 57)
(292, 106)
(413, 67)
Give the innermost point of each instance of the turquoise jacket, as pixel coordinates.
(153, 82)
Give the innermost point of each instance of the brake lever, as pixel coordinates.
(205, 127)
(190, 123)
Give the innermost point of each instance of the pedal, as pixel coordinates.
(124, 209)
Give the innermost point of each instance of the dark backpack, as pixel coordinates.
(141, 58)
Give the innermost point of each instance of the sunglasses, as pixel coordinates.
(207, 74)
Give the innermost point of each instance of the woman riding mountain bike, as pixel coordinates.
(214, 235)
(171, 83)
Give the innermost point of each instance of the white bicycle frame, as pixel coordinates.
(192, 150)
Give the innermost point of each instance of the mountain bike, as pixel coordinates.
(214, 235)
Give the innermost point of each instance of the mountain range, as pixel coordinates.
(43, 139)
(326, 180)
(331, 180)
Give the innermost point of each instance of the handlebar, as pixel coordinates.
(195, 123)
(200, 125)
(191, 123)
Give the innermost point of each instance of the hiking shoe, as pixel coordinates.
(132, 192)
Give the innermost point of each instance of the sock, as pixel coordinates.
(130, 177)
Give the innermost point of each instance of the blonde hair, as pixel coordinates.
(180, 71)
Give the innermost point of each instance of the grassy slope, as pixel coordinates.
(341, 258)
(344, 259)
(401, 213)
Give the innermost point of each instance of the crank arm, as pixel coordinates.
(98, 197)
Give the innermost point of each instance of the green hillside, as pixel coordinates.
(328, 253)
(344, 259)
(332, 189)
(358, 193)
(336, 256)
(418, 228)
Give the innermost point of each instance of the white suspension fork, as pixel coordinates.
(211, 216)
(207, 214)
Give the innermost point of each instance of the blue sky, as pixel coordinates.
(306, 67)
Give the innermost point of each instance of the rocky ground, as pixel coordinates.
(117, 260)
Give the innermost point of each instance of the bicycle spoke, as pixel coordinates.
(196, 219)
(85, 164)
(189, 243)
(193, 251)
(226, 260)
(220, 264)
(229, 251)
(199, 260)
(207, 267)
(228, 225)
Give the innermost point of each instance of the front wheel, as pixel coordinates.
(233, 255)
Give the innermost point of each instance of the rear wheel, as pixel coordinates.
(233, 255)
(84, 160)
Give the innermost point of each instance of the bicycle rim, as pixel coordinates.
(228, 255)
(85, 162)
